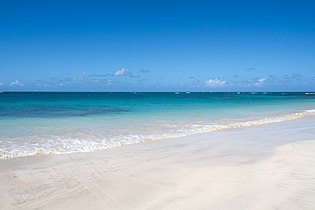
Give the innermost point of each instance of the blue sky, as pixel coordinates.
(157, 45)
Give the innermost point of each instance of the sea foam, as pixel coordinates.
(64, 145)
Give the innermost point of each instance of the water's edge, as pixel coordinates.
(72, 145)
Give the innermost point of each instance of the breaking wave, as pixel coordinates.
(64, 145)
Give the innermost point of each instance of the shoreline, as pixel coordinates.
(16, 149)
(261, 167)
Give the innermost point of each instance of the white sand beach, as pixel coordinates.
(256, 168)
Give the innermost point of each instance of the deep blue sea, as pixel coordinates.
(41, 123)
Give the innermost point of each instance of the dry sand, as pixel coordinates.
(263, 167)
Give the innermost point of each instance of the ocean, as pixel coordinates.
(33, 123)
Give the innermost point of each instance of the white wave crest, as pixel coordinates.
(70, 145)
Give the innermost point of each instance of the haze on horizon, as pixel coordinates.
(157, 45)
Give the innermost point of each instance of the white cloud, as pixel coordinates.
(15, 83)
(215, 83)
(80, 77)
(1, 83)
(260, 82)
(120, 72)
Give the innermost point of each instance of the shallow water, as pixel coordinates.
(36, 123)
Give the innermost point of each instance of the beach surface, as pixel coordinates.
(260, 167)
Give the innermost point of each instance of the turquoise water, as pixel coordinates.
(40, 123)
